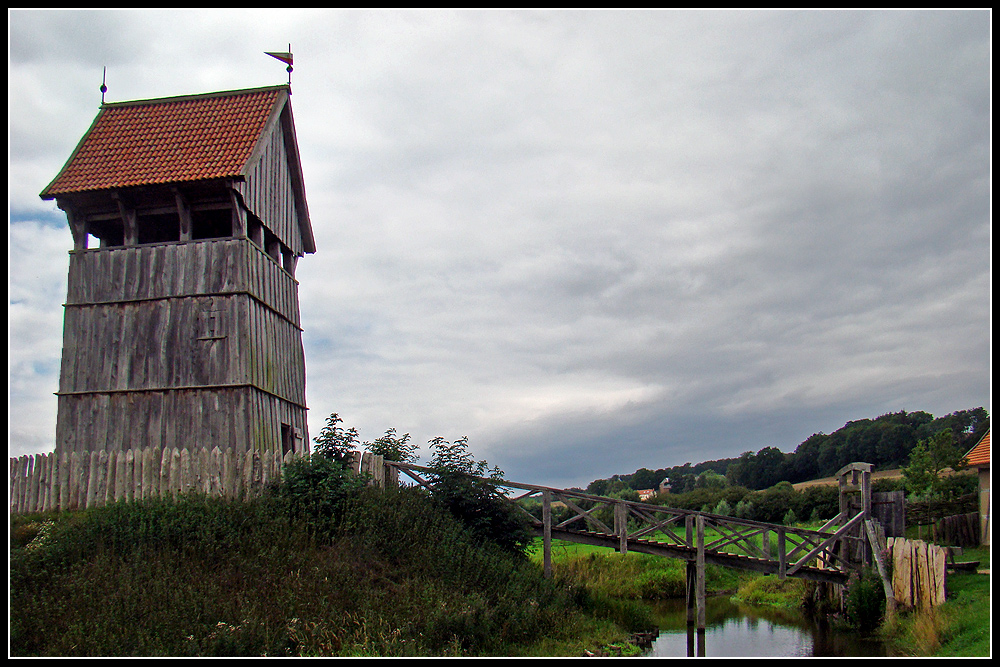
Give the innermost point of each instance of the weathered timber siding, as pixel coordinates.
(80, 480)
(269, 193)
(180, 344)
(194, 268)
(157, 344)
(238, 418)
(918, 572)
(889, 509)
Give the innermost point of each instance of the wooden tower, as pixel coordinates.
(188, 216)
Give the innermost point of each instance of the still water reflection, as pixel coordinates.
(736, 631)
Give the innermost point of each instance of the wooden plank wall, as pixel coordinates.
(269, 193)
(237, 418)
(918, 572)
(181, 269)
(157, 344)
(959, 530)
(135, 273)
(889, 509)
(80, 480)
(169, 343)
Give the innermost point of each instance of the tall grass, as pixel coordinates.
(958, 628)
(633, 575)
(387, 574)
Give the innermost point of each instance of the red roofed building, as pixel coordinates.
(979, 458)
(188, 216)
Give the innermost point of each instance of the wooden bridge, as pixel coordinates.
(829, 554)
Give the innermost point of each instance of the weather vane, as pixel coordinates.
(285, 57)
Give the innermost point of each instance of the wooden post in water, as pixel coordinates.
(690, 579)
(695, 609)
(695, 578)
(700, 573)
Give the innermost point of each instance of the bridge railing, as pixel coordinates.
(683, 533)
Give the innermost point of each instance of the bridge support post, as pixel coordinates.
(695, 583)
(547, 534)
(700, 573)
(621, 527)
(782, 553)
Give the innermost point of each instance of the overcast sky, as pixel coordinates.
(590, 241)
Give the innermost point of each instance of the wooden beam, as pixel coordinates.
(583, 514)
(239, 214)
(877, 541)
(547, 534)
(700, 571)
(825, 543)
(129, 220)
(77, 225)
(621, 526)
(183, 213)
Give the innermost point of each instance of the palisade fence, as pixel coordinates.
(918, 572)
(81, 480)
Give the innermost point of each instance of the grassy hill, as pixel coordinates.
(376, 573)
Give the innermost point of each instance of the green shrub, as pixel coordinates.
(315, 489)
(722, 508)
(471, 492)
(334, 442)
(864, 604)
(196, 576)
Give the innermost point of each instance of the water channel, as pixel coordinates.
(733, 630)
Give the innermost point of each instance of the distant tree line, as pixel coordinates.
(886, 442)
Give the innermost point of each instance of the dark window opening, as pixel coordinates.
(212, 223)
(158, 227)
(255, 229)
(272, 246)
(110, 233)
(287, 439)
(288, 260)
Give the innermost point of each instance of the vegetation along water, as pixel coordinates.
(323, 565)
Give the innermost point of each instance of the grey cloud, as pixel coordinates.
(594, 241)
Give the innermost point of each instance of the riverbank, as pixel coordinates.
(386, 574)
(958, 628)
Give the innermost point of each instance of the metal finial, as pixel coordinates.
(285, 57)
(104, 81)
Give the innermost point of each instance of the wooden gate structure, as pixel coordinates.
(829, 554)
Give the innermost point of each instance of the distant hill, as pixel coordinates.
(885, 442)
(895, 473)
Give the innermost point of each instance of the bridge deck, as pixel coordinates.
(690, 554)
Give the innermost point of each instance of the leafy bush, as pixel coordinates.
(393, 448)
(722, 508)
(470, 490)
(315, 489)
(865, 600)
(333, 441)
(197, 576)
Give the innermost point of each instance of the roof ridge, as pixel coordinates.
(196, 96)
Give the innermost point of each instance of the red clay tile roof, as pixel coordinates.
(167, 140)
(980, 454)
